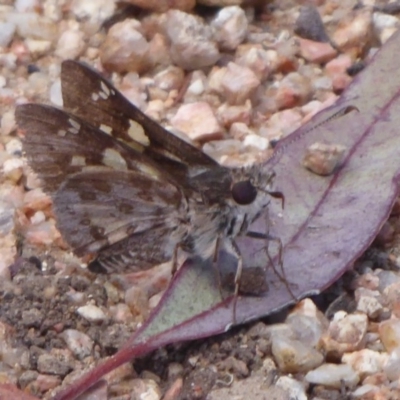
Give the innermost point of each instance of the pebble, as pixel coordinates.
(333, 375)
(34, 26)
(13, 169)
(175, 370)
(121, 313)
(7, 30)
(43, 383)
(238, 83)
(389, 333)
(292, 355)
(57, 362)
(164, 5)
(174, 390)
(80, 344)
(384, 25)
(354, 33)
(95, 11)
(256, 141)
(26, 5)
(92, 313)
(316, 52)
(337, 70)
(369, 302)
(7, 123)
(294, 90)
(323, 159)
(230, 27)
(138, 389)
(309, 25)
(71, 44)
(366, 362)
(192, 46)
(137, 300)
(170, 78)
(197, 121)
(197, 85)
(260, 61)
(14, 147)
(293, 388)
(230, 115)
(345, 334)
(55, 94)
(392, 366)
(26, 377)
(125, 48)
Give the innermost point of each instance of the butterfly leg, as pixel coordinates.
(174, 260)
(215, 265)
(238, 275)
(281, 274)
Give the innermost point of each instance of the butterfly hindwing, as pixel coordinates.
(110, 212)
(104, 192)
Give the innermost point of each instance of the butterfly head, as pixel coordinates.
(251, 191)
(249, 183)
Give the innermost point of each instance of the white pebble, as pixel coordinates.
(38, 47)
(192, 46)
(92, 313)
(12, 169)
(292, 387)
(96, 11)
(38, 218)
(71, 44)
(26, 5)
(333, 375)
(230, 27)
(366, 362)
(55, 93)
(197, 120)
(196, 88)
(34, 26)
(256, 141)
(7, 30)
(7, 123)
(14, 146)
(79, 343)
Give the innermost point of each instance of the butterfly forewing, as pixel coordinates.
(104, 106)
(59, 144)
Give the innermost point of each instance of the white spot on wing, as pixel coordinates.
(105, 91)
(62, 132)
(78, 161)
(75, 126)
(137, 133)
(105, 128)
(95, 96)
(149, 171)
(112, 158)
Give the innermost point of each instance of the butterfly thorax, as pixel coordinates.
(226, 218)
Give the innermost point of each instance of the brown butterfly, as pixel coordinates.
(125, 190)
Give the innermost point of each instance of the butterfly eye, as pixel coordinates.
(243, 192)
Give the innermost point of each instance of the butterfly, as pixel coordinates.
(127, 193)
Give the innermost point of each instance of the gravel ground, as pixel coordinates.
(234, 80)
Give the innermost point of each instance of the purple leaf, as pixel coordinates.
(325, 226)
